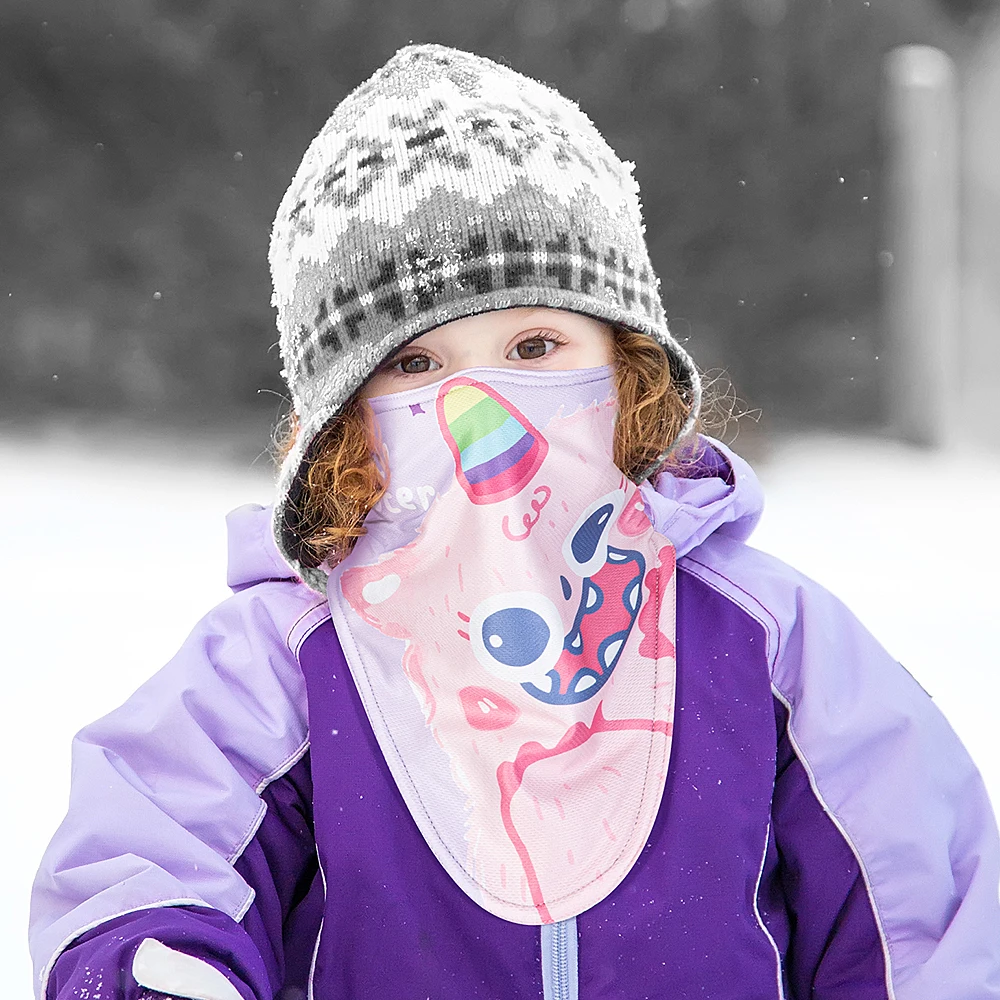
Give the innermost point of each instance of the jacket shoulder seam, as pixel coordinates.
(749, 604)
(307, 622)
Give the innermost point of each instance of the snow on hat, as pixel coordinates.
(444, 186)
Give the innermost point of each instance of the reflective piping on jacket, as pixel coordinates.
(284, 767)
(760, 920)
(862, 867)
(305, 625)
(43, 976)
(303, 628)
(560, 951)
(319, 934)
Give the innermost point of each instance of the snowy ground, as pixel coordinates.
(111, 555)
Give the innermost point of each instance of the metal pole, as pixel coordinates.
(921, 256)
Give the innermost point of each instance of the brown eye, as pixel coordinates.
(533, 347)
(415, 364)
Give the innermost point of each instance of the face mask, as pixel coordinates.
(509, 622)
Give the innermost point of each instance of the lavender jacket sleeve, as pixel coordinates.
(166, 837)
(884, 786)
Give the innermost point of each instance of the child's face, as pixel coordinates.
(532, 339)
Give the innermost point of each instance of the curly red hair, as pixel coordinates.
(347, 473)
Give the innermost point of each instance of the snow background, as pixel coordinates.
(113, 552)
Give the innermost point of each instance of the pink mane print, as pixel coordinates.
(533, 621)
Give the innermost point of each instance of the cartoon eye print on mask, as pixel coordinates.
(586, 547)
(517, 636)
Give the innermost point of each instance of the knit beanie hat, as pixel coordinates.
(444, 186)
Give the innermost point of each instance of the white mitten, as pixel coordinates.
(165, 970)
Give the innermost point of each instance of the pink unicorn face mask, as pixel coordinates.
(509, 622)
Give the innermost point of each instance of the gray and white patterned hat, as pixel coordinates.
(444, 186)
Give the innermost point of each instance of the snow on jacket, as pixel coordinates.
(822, 833)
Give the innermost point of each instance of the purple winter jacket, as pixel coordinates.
(823, 834)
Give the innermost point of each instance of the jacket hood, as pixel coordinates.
(718, 492)
(253, 553)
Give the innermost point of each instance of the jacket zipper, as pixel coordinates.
(559, 960)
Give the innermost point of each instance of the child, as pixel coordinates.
(511, 710)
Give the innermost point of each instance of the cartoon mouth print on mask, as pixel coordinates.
(532, 616)
(518, 636)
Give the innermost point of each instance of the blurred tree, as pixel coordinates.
(145, 145)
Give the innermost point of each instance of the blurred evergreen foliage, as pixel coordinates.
(145, 145)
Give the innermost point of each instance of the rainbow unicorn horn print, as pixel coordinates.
(496, 449)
